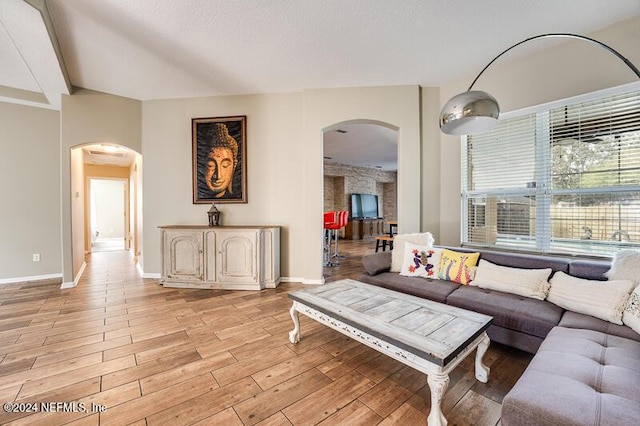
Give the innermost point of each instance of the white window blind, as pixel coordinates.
(565, 180)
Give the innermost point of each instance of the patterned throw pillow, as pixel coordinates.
(457, 266)
(631, 315)
(420, 261)
(399, 240)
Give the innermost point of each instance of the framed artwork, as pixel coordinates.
(219, 159)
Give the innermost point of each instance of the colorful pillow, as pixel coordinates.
(625, 266)
(457, 266)
(420, 261)
(601, 299)
(397, 254)
(523, 282)
(631, 315)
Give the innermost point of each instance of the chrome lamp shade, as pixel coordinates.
(468, 113)
(475, 111)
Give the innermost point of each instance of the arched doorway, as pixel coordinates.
(108, 163)
(360, 159)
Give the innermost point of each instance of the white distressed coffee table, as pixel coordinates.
(431, 337)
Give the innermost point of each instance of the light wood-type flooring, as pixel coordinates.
(149, 355)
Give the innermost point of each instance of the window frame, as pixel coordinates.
(542, 191)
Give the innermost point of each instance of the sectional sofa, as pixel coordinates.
(585, 370)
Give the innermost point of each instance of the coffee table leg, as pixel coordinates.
(482, 371)
(294, 335)
(438, 384)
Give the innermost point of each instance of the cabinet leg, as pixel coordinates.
(294, 335)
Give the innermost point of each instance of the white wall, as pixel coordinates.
(29, 192)
(398, 106)
(275, 189)
(108, 199)
(284, 164)
(89, 117)
(570, 68)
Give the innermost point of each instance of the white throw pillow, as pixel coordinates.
(625, 266)
(601, 299)
(420, 261)
(631, 316)
(397, 254)
(523, 282)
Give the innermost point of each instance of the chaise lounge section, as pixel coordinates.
(585, 370)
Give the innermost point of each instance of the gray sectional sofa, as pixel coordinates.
(586, 371)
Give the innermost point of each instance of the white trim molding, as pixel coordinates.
(31, 278)
(146, 275)
(301, 280)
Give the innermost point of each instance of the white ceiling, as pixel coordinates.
(155, 49)
(364, 145)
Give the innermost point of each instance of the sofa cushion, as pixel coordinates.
(377, 262)
(526, 261)
(427, 288)
(589, 269)
(531, 316)
(602, 299)
(575, 320)
(578, 377)
(524, 282)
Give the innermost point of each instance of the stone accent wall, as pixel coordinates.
(340, 181)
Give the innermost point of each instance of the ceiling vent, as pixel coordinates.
(108, 154)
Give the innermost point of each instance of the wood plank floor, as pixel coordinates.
(147, 355)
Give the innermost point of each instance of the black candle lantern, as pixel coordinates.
(214, 216)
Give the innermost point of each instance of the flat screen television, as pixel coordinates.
(364, 206)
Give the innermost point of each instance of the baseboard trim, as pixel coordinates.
(79, 274)
(302, 280)
(142, 274)
(70, 284)
(313, 282)
(31, 278)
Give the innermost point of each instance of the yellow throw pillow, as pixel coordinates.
(457, 266)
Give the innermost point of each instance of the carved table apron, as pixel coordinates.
(431, 337)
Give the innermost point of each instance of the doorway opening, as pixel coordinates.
(107, 214)
(360, 162)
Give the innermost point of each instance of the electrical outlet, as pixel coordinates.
(36, 257)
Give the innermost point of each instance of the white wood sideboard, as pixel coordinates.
(220, 257)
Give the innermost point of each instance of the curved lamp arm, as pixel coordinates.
(475, 111)
(590, 40)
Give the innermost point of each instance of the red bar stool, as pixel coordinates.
(330, 220)
(343, 220)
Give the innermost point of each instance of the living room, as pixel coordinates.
(284, 133)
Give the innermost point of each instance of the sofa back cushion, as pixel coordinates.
(377, 262)
(526, 261)
(589, 269)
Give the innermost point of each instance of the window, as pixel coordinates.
(563, 179)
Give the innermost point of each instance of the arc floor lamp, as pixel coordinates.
(475, 111)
